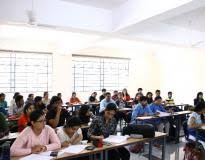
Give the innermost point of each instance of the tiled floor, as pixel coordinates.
(173, 152)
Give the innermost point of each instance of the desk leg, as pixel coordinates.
(150, 150)
(106, 155)
(163, 148)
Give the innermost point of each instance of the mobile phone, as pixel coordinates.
(90, 147)
(54, 154)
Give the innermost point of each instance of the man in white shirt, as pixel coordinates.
(106, 101)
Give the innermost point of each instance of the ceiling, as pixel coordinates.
(105, 4)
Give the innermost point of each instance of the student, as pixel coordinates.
(196, 120)
(3, 104)
(70, 133)
(4, 129)
(56, 115)
(115, 95)
(141, 109)
(136, 99)
(103, 95)
(198, 99)
(59, 95)
(24, 118)
(85, 115)
(157, 93)
(125, 94)
(106, 101)
(169, 100)
(149, 97)
(46, 100)
(105, 125)
(17, 108)
(74, 99)
(159, 123)
(38, 104)
(92, 98)
(36, 138)
(30, 99)
(13, 103)
(140, 91)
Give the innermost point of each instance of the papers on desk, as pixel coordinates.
(36, 157)
(163, 114)
(115, 139)
(203, 127)
(74, 149)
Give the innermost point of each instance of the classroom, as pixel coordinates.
(102, 80)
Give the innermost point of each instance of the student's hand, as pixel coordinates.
(59, 108)
(36, 149)
(65, 144)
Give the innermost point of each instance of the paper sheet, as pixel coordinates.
(36, 157)
(74, 149)
(163, 114)
(115, 139)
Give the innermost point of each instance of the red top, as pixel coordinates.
(74, 100)
(22, 123)
(126, 98)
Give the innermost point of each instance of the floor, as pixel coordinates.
(173, 152)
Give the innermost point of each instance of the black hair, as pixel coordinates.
(111, 107)
(59, 94)
(94, 92)
(34, 116)
(199, 107)
(82, 114)
(115, 91)
(103, 90)
(72, 122)
(143, 98)
(30, 95)
(16, 94)
(157, 98)
(139, 89)
(198, 94)
(169, 92)
(37, 99)
(149, 93)
(157, 91)
(2, 95)
(26, 107)
(107, 93)
(18, 98)
(44, 94)
(54, 99)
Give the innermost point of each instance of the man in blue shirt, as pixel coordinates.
(162, 122)
(141, 109)
(106, 101)
(3, 104)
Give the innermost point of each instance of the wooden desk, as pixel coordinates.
(10, 137)
(177, 115)
(104, 150)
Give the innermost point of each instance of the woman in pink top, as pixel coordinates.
(36, 138)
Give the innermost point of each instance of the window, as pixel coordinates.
(25, 71)
(94, 73)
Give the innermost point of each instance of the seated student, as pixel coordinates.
(196, 120)
(103, 95)
(74, 99)
(105, 101)
(46, 100)
(169, 100)
(149, 97)
(159, 123)
(157, 93)
(24, 118)
(70, 133)
(35, 138)
(115, 95)
(56, 115)
(136, 99)
(4, 129)
(38, 104)
(125, 95)
(85, 115)
(140, 91)
(17, 108)
(141, 109)
(3, 104)
(93, 99)
(198, 99)
(105, 125)
(59, 95)
(13, 103)
(30, 99)
(121, 103)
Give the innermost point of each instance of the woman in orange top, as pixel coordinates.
(24, 118)
(74, 99)
(126, 96)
